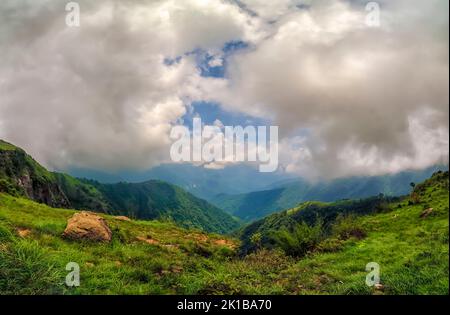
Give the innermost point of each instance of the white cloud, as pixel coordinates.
(373, 100)
(354, 87)
(100, 95)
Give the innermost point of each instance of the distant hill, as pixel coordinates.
(21, 175)
(288, 193)
(200, 181)
(303, 222)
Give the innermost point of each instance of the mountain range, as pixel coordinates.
(312, 248)
(289, 193)
(205, 183)
(21, 175)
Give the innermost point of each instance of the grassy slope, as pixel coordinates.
(35, 264)
(412, 252)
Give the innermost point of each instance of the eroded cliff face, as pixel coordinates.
(21, 175)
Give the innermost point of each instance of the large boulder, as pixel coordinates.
(89, 226)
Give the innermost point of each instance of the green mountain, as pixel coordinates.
(160, 200)
(20, 175)
(200, 181)
(407, 237)
(295, 229)
(287, 194)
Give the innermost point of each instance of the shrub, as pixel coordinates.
(415, 198)
(9, 188)
(256, 240)
(347, 227)
(267, 261)
(330, 245)
(300, 240)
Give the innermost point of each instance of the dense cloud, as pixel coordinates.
(349, 99)
(100, 95)
(374, 100)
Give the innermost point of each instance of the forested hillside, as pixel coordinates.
(21, 175)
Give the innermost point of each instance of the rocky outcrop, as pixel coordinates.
(87, 226)
(21, 175)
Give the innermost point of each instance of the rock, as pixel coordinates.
(147, 240)
(122, 218)
(426, 213)
(379, 287)
(89, 226)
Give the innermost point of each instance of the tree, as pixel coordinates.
(256, 239)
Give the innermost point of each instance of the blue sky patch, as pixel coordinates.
(210, 112)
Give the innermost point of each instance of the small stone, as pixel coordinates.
(426, 213)
(379, 287)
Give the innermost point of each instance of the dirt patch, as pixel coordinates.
(171, 246)
(147, 240)
(224, 242)
(23, 232)
(122, 218)
(201, 238)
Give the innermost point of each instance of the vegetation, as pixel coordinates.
(153, 257)
(256, 205)
(20, 175)
(156, 199)
(307, 223)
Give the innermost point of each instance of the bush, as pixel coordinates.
(267, 261)
(300, 240)
(330, 245)
(256, 240)
(415, 198)
(9, 188)
(347, 227)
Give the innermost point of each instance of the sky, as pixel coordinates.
(349, 98)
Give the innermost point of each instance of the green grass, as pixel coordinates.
(6, 146)
(412, 253)
(36, 263)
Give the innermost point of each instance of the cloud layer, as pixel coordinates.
(349, 99)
